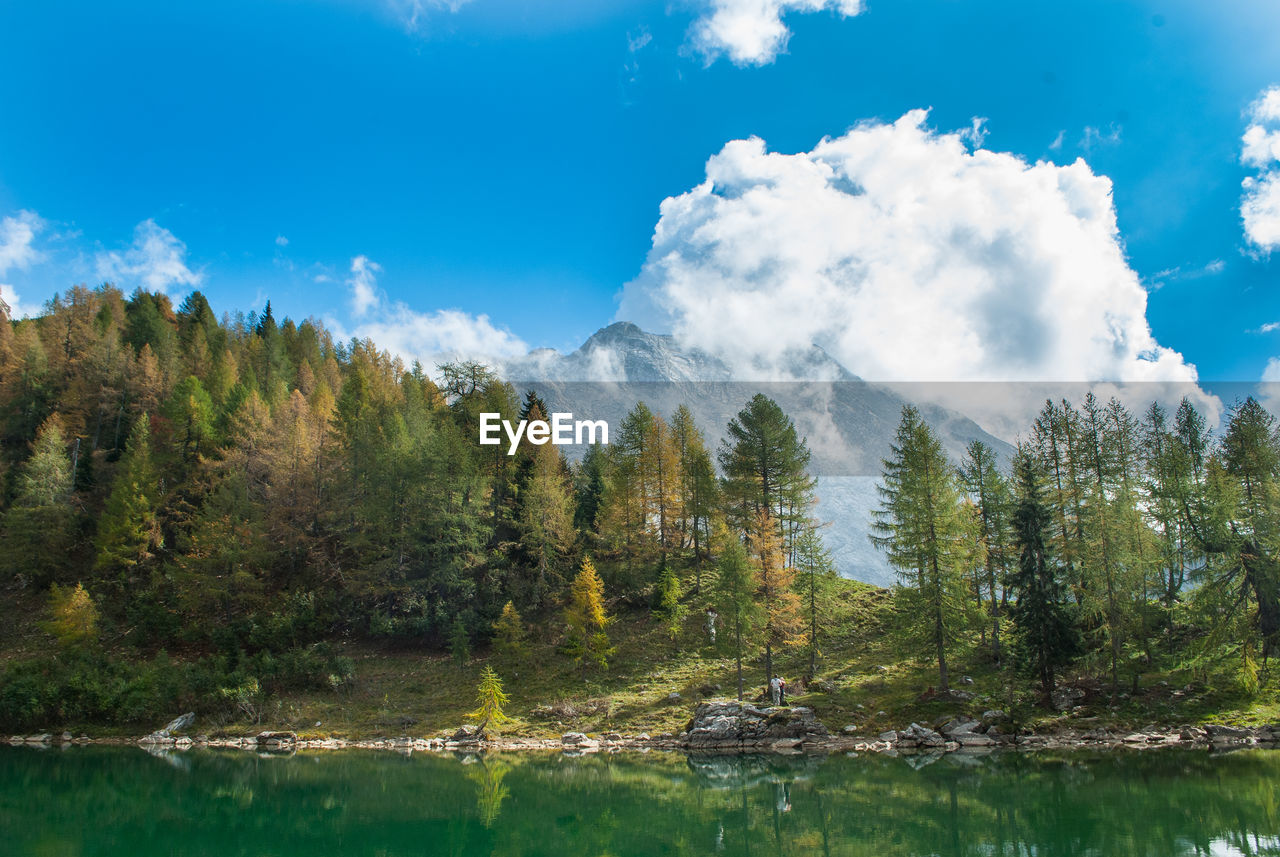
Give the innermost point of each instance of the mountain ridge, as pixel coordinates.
(848, 422)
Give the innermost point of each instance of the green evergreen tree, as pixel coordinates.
(490, 699)
(587, 618)
(509, 632)
(927, 536)
(1048, 637)
(737, 583)
(765, 465)
(1239, 528)
(670, 608)
(128, 531)
(987, 487)
(817, 572)
(38, 532)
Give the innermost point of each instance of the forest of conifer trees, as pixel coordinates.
(243, 490)
(204, 505)
(1118, 545)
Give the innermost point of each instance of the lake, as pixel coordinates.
(124, 801)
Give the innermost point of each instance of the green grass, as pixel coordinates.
(398, 691)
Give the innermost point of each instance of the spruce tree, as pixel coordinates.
(545, 521)
(1048, 638)
(765, 464)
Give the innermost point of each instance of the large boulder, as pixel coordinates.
(923, 736)
(730, 724)
(175, 726)
(467, 735)
(1220, 732)
(1066, 698)
(178, 725)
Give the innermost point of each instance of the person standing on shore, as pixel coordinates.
(775, 690)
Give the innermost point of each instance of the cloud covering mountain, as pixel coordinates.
(908, 255)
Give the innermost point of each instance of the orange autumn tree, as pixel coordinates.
(782, 625)
(587, 618)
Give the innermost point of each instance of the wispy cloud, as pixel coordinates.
(976, 134)
(1094, 138)
(156, 261)
(637, 41)
(630, 77)
(751, 32)
(414, 14)
(430, 337)
(1158, 280)
(363, 283)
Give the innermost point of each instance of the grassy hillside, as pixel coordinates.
(863, 680)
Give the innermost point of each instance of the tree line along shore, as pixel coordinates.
(244, 518)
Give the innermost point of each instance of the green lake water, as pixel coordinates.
(123, 801)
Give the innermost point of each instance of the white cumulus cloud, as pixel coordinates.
(908, 256)
(751, 32)
(431, 337)
(17, 241)
(18, 252)
(1260, 206)
(156, 260)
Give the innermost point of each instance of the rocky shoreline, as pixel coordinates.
(724, 727)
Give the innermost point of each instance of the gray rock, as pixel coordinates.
(180, 724)
(1218, 732)
(972, 739)
(721, 724)
(673, 698)
(958, 725)
(923, 736)
(1066, 698)
(466, 735)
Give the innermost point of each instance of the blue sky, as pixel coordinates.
(509, 158)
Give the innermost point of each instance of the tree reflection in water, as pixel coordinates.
(109, 801)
